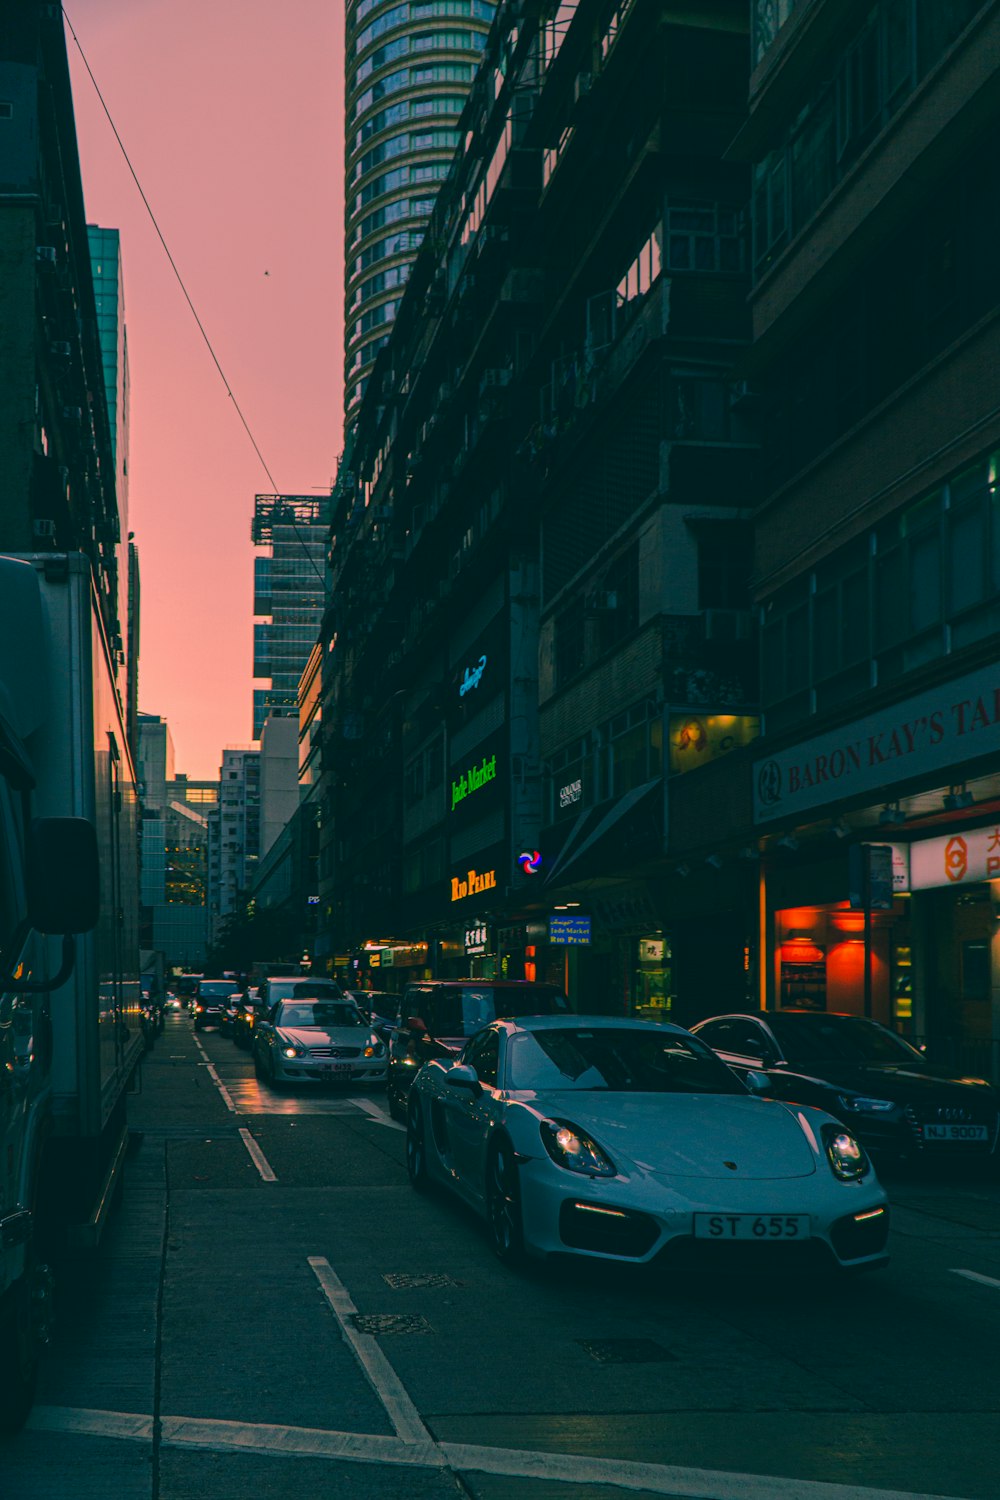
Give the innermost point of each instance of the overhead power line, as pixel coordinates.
(180, 282)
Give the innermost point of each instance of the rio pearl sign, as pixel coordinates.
(939, 729)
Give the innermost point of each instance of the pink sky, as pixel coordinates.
(232, 114)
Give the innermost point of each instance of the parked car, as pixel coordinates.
(312, 1040)
(893, 1099)
(437, 1017)
(210, 997)
(629, 1140)
(227, 1015)
(249, 1010)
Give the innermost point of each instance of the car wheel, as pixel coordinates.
(18, 1360)
(503, 1206)
(416, 1146)
(258, 1070)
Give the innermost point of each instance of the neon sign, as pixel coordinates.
(472, 780)
(472, 677)
(473, 883)
(571, 793)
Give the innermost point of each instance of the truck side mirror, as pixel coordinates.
(63, 877)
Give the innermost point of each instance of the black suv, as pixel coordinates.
(437, 1017)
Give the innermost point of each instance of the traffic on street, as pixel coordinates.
(274, 1309)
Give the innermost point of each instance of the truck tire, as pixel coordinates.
(19, 1351)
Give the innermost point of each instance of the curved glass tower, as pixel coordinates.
(409, 67)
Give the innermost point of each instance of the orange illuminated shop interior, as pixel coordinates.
(820, 961)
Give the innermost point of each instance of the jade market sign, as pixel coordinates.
(473, 780)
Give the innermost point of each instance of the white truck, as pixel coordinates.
(70, 1039)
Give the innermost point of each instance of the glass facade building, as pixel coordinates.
(288, 594)
(409, 67)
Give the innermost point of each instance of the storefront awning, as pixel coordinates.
(604, 832)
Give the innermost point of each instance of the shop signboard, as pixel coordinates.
(695, 739)
(955, 859)
(573, 932)
(476, 939)
(935, 731)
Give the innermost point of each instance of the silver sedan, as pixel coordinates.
(630, 1140)
(317, 1041)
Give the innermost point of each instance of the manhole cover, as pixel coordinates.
(626, 1351)
(382, 1324)
(402, 1281)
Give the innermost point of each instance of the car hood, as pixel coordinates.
(902, 1085)
(324, 1036)
(690, 1135)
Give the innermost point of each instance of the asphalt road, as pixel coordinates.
(275, 1313)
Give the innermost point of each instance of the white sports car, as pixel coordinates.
(318, 1041)
(628, 1139)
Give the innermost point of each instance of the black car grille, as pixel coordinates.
(334, 1051)
(953, 1114)
(586, 1226)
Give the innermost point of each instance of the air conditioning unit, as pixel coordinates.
(728, 624)
(45, 257)
(44, 530)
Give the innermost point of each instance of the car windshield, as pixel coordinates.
(463, 1009)
(810, 1039)
(304, 989)
(626, 1061)
(320, 1013)
(211, 991)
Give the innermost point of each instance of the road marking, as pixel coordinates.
(378, 1115)
(358, 1447)
(227, 1097)
(384, 1381)
(976, 1276)
(257, 1156)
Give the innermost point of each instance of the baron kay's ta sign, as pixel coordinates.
(958, 721)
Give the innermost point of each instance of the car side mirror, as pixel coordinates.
(416, 1023)
(757, 1082)
(462, 1076)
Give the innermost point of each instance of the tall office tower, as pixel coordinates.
(109, 298)
(288, 588)
(233, 833)
(409, 68)
(174, 868)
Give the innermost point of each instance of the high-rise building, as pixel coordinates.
(289, 584)
(233, 832)
(174, 870)
(109, 299)
(409, 68)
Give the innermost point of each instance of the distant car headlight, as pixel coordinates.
(846, 1156)
(289, 1051)
(863, 1105)
(573, 1148)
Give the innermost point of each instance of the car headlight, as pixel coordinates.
(573, 1148)
(846, 1156)
(863, 1105)
(374, 1049)
(290, 1051)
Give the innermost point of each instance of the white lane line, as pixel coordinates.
(378, 1115)
(112, 1424)
(384, 1381)
(257, 1156)
(370, 1448)
(227, 1097)
(976, 1276)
